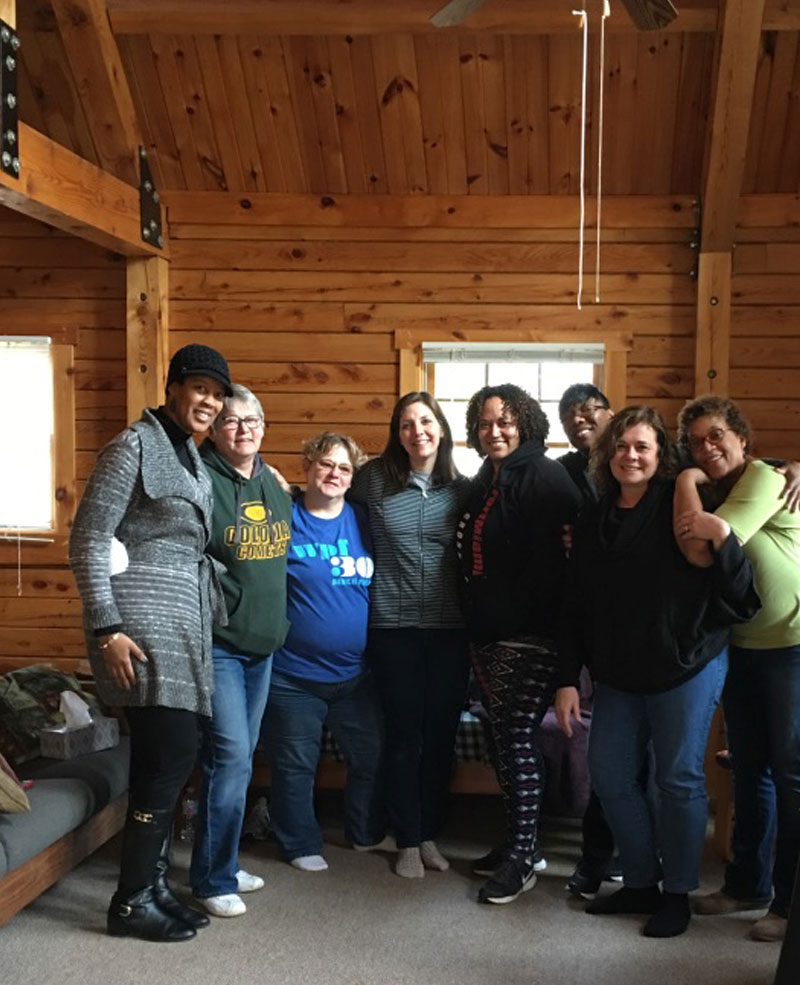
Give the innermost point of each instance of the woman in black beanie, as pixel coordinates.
(148, 624)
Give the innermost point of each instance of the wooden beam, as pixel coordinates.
(147, 333)
(446, 211)
(730, 121)
(103, 89)
(8, 12)
(372, 17)
(58, 187)
(712, 352)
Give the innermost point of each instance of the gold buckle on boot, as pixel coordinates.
(143, 817)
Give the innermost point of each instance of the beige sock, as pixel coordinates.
(432, 858)
(409, 864)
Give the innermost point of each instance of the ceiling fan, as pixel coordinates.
(647, 15)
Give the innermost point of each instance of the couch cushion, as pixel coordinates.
(105, 772)
(57, 807)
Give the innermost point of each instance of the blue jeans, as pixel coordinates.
(241, 684)
(292, 734)
(762, 712)
(668, 845)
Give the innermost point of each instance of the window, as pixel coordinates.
(36, 439)
(542, 360)
(454, 372)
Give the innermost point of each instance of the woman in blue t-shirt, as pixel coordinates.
(319, 676)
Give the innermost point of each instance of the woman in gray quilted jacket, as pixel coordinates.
(148, 624)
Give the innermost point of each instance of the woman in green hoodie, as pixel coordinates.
(250, 536)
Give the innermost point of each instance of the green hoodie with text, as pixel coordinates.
(250, 536)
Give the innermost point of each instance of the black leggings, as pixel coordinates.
(164, 744)
(421, 679)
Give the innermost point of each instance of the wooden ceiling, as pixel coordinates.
(364, 96)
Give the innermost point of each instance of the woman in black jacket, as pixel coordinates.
(512, 560)
(653, 629)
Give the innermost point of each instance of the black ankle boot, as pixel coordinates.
(139, 915)
(164, 896)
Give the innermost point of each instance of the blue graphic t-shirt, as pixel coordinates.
(329, 570)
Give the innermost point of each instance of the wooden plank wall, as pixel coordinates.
(765, 322)
(306, 313)
(53, 284)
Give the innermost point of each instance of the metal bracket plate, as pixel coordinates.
(9, 139)
(149, 204)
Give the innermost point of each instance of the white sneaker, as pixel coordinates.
(310, 863)
(229, 905)
(247, 883)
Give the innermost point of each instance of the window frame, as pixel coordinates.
(616, 346)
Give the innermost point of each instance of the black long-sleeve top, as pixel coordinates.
(510, 547)
(635, 611)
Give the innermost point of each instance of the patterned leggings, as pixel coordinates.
(517, 682)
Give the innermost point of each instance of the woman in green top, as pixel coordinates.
(762, 692)
(250, 536)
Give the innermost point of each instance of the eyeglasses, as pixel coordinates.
(713, 437)
(328, 466)
(583, 410)
(232, 422)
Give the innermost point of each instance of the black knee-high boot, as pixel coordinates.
(164, 896)
(134, 911)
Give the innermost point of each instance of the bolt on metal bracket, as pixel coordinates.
(149, 207)
(9, 115)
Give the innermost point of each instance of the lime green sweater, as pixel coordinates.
(770, 535)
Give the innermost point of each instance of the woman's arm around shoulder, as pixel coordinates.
(694, 529)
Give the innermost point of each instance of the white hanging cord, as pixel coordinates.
(19, 562)
(584, 25)
(606, 13)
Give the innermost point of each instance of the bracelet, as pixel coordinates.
(109, 641)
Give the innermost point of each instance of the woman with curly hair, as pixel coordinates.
(512, 562)
(653, 629)
(762, 693)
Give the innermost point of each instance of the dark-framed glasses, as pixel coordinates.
(232, 422)
(713, 437)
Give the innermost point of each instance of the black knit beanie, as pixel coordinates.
(199, 360)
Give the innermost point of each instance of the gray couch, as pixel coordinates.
(76, 805)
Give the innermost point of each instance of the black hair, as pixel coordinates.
(579, 393)
(395, 457)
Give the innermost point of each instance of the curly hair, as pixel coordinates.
(317, 447)
(606, 445)
(395, 457)
(531, 420)
(712, 406)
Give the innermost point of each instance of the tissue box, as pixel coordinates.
(62, 742)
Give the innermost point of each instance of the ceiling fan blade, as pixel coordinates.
(455, 12)
(650, 15)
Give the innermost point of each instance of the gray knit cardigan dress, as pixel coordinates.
(168, 596)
